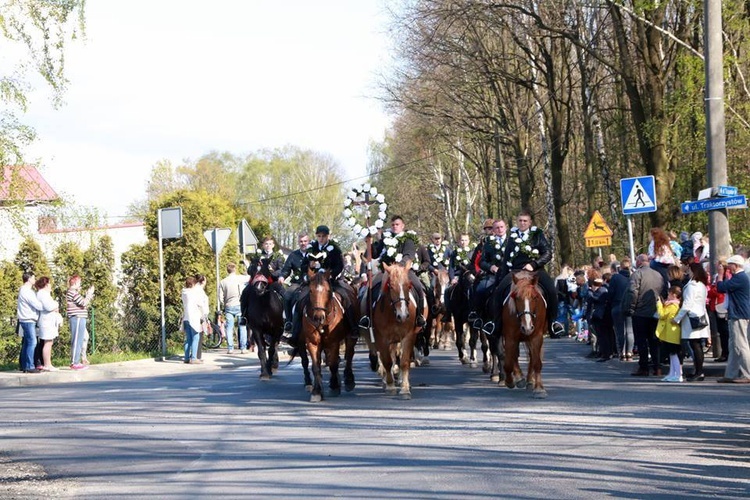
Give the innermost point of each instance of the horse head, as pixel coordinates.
(320, 297)
(527, 301)
(397, 288)
(442, 281)
(260, 283)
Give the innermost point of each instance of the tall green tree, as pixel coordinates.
(30, 258)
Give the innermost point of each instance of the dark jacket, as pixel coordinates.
(600, 304)
(645, 287)
(427, 259)
(269, 265)
(738, 290)
(517, 259)
(493, 256)
(618, 287)
(329, 256)
(458, 268)
(293, 267)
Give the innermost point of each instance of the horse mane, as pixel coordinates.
(524, 286)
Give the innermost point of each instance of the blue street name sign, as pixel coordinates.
(727, 191)
(689, 207)
(638, 195)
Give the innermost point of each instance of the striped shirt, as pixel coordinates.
(77, 304)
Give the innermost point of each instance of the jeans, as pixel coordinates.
(192, 341)
(28, 344)
(231, 314)
(78, 334)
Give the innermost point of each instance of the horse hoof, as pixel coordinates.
(425, 362)
(485, 369)
(334, 392)
(413, 364)
(263, 376)
(529, 387)
(308, 387)
(495, 378)
(509, 384)
(390, 390)
(349, 386)
(464, 361)
(521, 384)
(473, 364)
(405, 396)
(539, 394)
(316, 398)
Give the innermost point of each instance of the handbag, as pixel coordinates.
(698, 322)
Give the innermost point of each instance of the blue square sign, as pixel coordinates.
(638, 195)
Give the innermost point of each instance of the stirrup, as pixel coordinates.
(364, 322)
(489, 328)
(473, 316)
(477, 324)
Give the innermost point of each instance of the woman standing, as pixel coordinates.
(192, 314)
(694, 305)
(49, 323)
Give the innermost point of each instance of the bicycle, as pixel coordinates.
(214, 335)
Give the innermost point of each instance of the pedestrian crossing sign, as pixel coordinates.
(638, 195)
(597, 227)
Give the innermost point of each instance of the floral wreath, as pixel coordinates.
(359, 228)
(522, 244)
(462, 254)
(438, 254)
(500, 247)
(391, 244)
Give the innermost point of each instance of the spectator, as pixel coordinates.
(676, 276)
(230, 290)
(694, 305)
(738, 290)
(77, 309)
(674, 245)
(668, 332)
(717, 314)
(645, 288)
(28, 308)
(618, 285)
(194, 310)
(49, 324)
(661, 255)
(601, 318)
(700, 247)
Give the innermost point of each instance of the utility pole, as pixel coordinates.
(716, 153)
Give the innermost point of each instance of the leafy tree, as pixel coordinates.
(10, 281)
(98, 265)
(30, 258)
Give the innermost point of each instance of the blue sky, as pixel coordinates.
(167, 79)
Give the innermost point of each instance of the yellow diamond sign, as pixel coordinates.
(597, 228)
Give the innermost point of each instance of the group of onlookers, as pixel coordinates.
(663, 309)
(39, 321)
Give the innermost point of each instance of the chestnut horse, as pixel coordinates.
(524, 320)
(324, 327)
(262, 308)
(394, 324)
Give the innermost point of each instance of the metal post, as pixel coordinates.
(716, 155)
(161, 288)
(216, 253)
(630, 240)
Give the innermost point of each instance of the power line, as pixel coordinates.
(401, 165)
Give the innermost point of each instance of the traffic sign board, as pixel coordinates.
(217, 238)
(638, 195)
(599, 241)
(597, 227)
(727, 191)
(689, 207)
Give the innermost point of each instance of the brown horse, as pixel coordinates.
(394, 323)
(524, 320)
(324, 328)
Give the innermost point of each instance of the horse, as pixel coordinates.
(394, 324)
(440, 330)
(324, 327)
(262, 307)
(460, 303)
(524, 316)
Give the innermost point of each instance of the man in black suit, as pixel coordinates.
(292, 272)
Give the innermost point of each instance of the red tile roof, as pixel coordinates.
(25, 183)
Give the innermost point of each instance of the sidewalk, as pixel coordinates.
(217, 359)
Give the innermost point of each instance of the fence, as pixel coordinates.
(137, 330)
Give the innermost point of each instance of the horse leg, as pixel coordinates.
(271, 358)
(460, 342)
(386, 358)
(509, 363)
(305, 360)
(406, 348)
(535, 366)
(486, 366)
(265, 374)
(316, 395)
(350, 344)
(334, 359)
(473, 350)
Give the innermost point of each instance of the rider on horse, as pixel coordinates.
(324, 254)
(266, 261)
(492, 267)
(460, 263)
(433, 258)
(294, 272)
(398, 246)
(529, 250)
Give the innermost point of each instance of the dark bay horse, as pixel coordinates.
(394, 324)
(459, 298)
(441, 330)
(262, 307)
(324, 327)
(524, 320)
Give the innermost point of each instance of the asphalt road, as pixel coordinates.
(224, 433)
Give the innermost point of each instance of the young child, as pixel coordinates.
(670, 332)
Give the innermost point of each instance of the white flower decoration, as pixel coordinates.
(380, 199)
(358, 195)
(399, 257)
(348, 213)
(329, 248)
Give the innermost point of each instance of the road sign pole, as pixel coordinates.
(630, 240)
(216, 253)
(161, 289)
